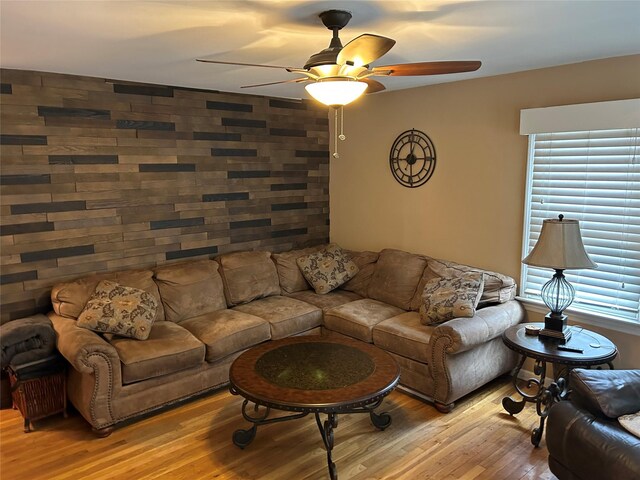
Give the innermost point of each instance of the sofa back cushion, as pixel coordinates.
(190, 289)
(498, 288)
(396, 277)
(427, 275)
(366, 262)
(247, 276)
(289, 274)
(70, 298)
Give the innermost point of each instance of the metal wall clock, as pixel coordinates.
(412, 158)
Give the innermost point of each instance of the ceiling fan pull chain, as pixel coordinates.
(339, 126)
(335, 134)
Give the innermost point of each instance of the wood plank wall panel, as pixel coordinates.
(101, 175)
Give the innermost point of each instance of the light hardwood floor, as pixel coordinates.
(478, 440)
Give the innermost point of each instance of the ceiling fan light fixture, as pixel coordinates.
(336, 92)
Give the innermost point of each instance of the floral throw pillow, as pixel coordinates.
(327, 269)
(447, 298)
(125, 311)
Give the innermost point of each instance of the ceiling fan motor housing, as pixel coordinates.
(334, 20)
(351, 64)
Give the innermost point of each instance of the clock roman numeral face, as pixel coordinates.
(412, 158)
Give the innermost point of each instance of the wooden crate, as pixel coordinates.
(39, 397)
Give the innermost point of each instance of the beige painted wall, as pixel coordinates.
(471, 211)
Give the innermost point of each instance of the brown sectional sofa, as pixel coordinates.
(210, 311)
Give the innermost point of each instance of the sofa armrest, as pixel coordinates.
(461, 334)
(82, 347)
(611, 393)
(96, 377)
(583, 445)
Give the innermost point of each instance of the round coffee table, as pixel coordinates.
(312, 374)
(584, 349)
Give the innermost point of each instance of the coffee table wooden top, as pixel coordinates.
(314, 374)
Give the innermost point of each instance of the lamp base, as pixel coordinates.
(556, 327)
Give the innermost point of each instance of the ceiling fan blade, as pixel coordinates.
(364, 49)
(373, 85)
(427, 68)
(294, 80)
(242, 64)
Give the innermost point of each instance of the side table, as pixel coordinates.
(38, 388)
(590, 349)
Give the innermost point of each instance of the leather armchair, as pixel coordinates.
(584, 438)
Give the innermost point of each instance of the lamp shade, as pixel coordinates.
(336, 92)
(559, 246)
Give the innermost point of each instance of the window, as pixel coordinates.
(592, 176)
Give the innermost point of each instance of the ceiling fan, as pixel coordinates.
(340, 74)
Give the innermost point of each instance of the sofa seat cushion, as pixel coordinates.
(404, 335)
(169, 349)
(287, 316)
(328, 300)
(357, 319)
(396, 277)
(225, 332)
(247, 276)
(190, 289)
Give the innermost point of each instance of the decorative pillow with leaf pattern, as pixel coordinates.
(446, 298)
(125, 311)
(327, 269)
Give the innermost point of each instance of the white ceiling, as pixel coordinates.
(158, 41)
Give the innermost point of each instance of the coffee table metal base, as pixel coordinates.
(241, 438)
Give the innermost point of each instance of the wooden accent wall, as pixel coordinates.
(101, 175)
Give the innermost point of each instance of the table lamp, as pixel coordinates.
(559, 247)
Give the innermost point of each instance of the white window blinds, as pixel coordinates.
(594, 177)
